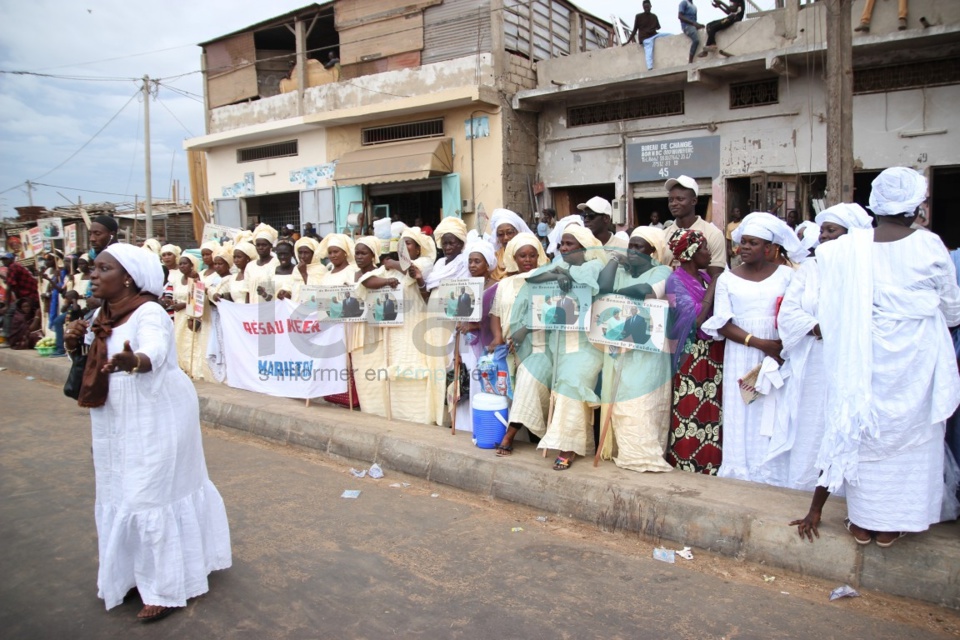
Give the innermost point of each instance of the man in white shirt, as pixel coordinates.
(655, 220)
(682, 200)
(597, 217)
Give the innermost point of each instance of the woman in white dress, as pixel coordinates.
(161, 524)
(190, 348)
(338, 249)
(887, 298)
(800, 413)
(745, 314)
(504, 227)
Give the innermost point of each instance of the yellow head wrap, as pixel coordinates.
(372, 243)
(247, 248)
(453, 225)
(428, 248)
(524, 239)
(171, 248)
(656, 238)
(265, 232)
(311, 244)
(340, 241)
(594, 248)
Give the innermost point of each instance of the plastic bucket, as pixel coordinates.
(489, 419)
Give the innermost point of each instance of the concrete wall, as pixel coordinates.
(487, 184)
(520, 139)
(359, 92)
(789, 137)
(269, 176)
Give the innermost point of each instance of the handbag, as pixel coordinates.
(748, 388)
(71, 388)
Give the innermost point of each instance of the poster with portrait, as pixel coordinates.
(623, 322)
(70, 239)
(218, 233)
(386, 307)
(26, 247)
(551, 308)
(458, 300)
(51, 228)
(339, 304)
(198, 298)
(36, 240)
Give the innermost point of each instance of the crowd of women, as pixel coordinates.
(821, 360)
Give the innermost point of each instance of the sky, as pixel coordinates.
(79, 134)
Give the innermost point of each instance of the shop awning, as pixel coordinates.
(395, 162)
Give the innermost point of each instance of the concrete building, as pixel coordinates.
(749, 122)
(381, 107)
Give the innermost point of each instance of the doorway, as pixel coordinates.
(944, 202)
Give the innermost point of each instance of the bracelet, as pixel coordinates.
(746, 341)
(136, 369)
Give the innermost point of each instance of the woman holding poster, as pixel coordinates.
(638, 396)
(338, 249)
(310, 270)
(186, 325)
(366, 350)
(161, 523)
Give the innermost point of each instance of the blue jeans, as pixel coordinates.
(57, 326)
(694, 35)
(648, 48)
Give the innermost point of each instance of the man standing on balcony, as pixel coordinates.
(868, 14)
(689, 24)
(645, 28)
(734, 11)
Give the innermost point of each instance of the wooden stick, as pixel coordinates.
(618, 369)
(386, 346)
(553, 380)
(350, 379)
(456, 382)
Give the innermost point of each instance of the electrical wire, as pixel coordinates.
(163, 104)
(106, 193)
(65, 77)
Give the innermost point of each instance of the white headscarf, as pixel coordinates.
(265, 232)
(656, 238)
(141, 265)
(428, 248)
(593, 247)
(152, 245)
(526, 239)
(847, 215)
(340, 241)
(767, 226)
(478, 244)
(247, 248)
(210, 245)
(554, 235)
(171, 248)
(505, 216)
(311, 244)
(811, 234)
(372, 243)
(897, 190)
(452, 225)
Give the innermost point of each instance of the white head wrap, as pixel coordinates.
(340, 241)
(767, 226)
(140, 265)
(453, 225)
(594, 248)
(265, 232)
(311, 244)
(478, 244)
(372, 243)
(554, 235)
(192, 258)
(224, 252)
(897, 190)
(171, 248)
(210, 245)
(505, 216)
(847, 215)
(428, 248)
(247, 248)
(152, 245)
(243, 236)
(811, 234)
(524, 239)
(396, 228)
(656, 238)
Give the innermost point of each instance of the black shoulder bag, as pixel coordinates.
(71, 388)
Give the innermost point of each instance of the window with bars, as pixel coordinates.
(655, 106)
(265, 152)
(908, 75)
(405, 131)
(755, 93)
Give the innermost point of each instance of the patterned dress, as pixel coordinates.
(695, 441)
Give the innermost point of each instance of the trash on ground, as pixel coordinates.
(3, 368)
(541, 518)
(769, 578)
(685, 553)
(376, 472)
(351, 493)
(786, 593)
(30, 378)
(396, 485)
(434, 495)
(358, 474)
(664, 555)
(846, 591)
(516, 530)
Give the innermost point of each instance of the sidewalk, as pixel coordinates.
(738, 519)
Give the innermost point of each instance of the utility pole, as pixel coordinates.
(148, 202)
(839, 102)
(30, 192)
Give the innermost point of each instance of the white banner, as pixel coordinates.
(280, 349)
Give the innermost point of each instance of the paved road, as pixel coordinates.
(395, 563)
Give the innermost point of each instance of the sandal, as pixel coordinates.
(847, 525)
(161, 613)
(884, 545)
(562, 464)
(504, 451)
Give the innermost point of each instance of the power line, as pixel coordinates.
(105, 193)
(163, 104)
(123, 57)
(65, 77)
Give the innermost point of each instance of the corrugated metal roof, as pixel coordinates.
(271, 22)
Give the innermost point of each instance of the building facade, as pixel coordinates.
(749, 122)
(342, 112)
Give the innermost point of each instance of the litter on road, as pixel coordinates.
(664, 555)
(351, 493)
(376, 472)
(846, 591)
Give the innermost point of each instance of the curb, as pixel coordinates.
(730, 517)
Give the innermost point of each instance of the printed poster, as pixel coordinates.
(623, 322)
(276, 349)
(51, 228)
(386, 307)
(458, 299)
(199, 296)
(218, 233)
(36, 240)
(340, 304)
(551, 308)
(70, 239)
